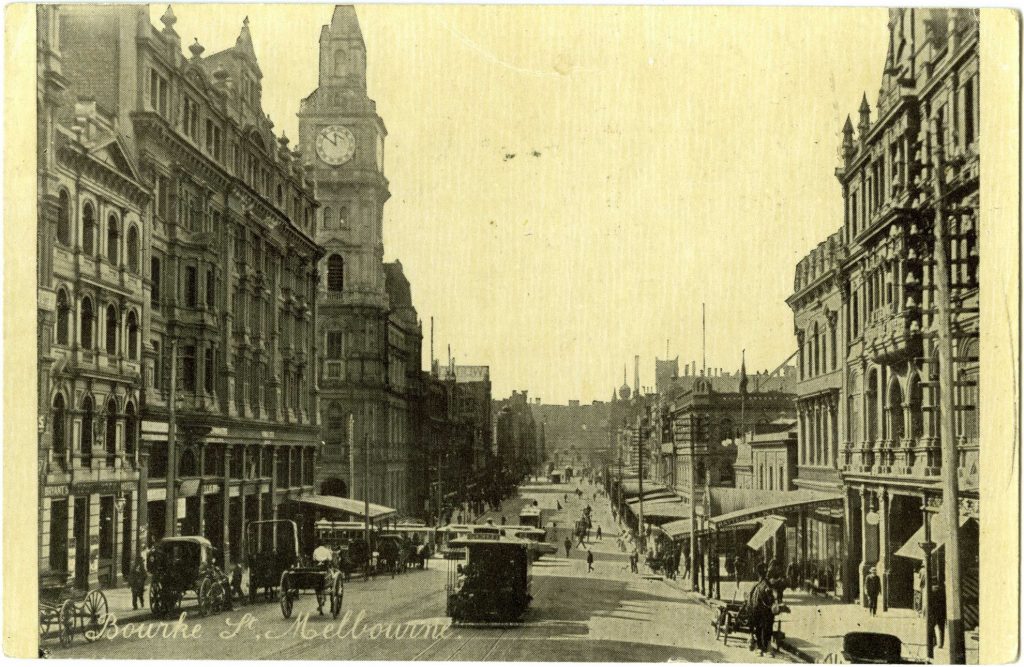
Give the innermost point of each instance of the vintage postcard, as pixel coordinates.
(511, 333)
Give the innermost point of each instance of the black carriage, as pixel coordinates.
(181, 565)
(322, 578)
(65, 611)
(267, 564)
(489, 578)
(392, 553)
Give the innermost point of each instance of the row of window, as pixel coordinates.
(89, 431)
(819, 352)
(208, 134)
(90, 234)
(88, 324)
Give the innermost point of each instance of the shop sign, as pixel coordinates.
(58, 491)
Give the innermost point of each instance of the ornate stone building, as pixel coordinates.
(368, 329)
(229, 260)
(889, 452)
(93, 223)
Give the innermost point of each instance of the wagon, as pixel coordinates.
(181, 565)
(731, 618)
(322, 578)
(62, 612)
(268, 564)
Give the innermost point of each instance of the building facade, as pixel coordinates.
(894, 187)
(93, 223)
(368, 329)
(230, 261)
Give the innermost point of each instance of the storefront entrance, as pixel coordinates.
(82, 543)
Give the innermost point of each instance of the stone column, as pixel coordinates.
(273, 489)
(202, 489)
(863, 568)
(226, 504)
(883, 545)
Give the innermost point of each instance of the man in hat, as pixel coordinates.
(872, 587)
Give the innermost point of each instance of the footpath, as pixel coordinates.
(814, 627)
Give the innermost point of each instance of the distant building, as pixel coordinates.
(515, 434)
(575, 435)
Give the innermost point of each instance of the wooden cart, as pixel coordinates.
(63, 614)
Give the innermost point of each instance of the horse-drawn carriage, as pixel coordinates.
(63, 613)
(180, 565)
(322, 578)
(267, 564)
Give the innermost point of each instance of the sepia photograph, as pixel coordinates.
(516, 333)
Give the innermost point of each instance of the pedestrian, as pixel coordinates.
(236, 581)
(137, 581)
(590, 561)
(568, 545)
(582, 536)
(872, 587)
(760, 607)
(599, 533)
(737, 568)
(558, 505)
(775, 578)
(686, 566)
(634, 559)
(503, 519)
(937, 614)
(791, 578)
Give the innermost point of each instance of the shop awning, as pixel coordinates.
(666, 511)
(677, 529)
(912, 548)
(795, 500)
(651, 497)
(769, 526)
(631, 487)
(348, 505)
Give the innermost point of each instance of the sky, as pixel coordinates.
(664, 157)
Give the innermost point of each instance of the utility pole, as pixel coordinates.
(170, 502)
(640, 478)
(366, 496)
(350, 435)
(950, 454)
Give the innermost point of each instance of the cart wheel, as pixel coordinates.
(156, 599)
(94, 614)
(337, 595)
(66, 623)
(286, 597)
(205, 594)
(219, 595)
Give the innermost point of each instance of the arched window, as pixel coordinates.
(111, 330)
(86, 324)
(328, 212)
(897, 427)
(340, 61)
(110, 441)
(58, 416)
(113, 238)
(335, 273)
(85, 440)
(133, 336)
(63, 218)
(914, 400)
(871, 399)
(816, 354)
(343, 216)
(62, 317)
(129, 429)
(88, 229)
(133, 249)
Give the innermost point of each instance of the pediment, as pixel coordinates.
(115, 155)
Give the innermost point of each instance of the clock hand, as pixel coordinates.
(334, 140)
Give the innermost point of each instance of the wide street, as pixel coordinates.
(607, 615)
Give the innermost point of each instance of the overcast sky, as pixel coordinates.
(664, 157)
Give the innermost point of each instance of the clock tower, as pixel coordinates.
(343, 137)
(340, 131)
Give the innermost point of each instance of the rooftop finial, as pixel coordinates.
(169, 19)
(197, 49)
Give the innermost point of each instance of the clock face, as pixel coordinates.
(335, 145)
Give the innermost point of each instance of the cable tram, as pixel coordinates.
(530, 516)
(539, 546)
(489, 578)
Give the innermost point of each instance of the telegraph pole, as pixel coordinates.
(950, 453)
(170, 502)
(366, 498)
